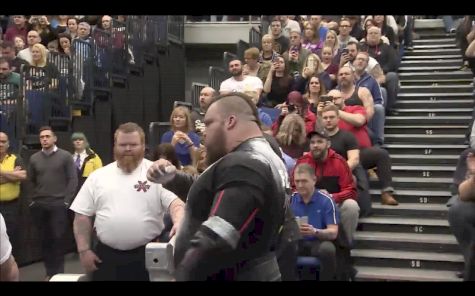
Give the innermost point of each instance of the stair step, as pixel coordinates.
(404, 241)
(434, 41)
(407, 259)
(434, 46)
(418, 150)
(434, 112)
(434, 35)
(428, 24)
(433, 52)
(410, 210)
(426, 129)
(440, 103)
(423, 197)
(417, 138)
(422, 171)
(366, 273)
(435, 95)
(418, 159)
(429, 68)
(448, 88)
(409, 225)
(415, 182)
(431, 57)
(434, 62)
(436, 75)
(426, 120)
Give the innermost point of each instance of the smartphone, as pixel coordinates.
(344, 51)
(326, 99)
(291, 108)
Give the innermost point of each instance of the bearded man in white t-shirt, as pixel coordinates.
(250, 85)
(128, 212)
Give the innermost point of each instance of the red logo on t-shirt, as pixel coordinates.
(142, 186)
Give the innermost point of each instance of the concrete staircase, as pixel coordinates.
(412, 241)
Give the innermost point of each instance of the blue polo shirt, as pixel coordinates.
(321, 210)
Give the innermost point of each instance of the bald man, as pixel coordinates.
(197, 115)
(236, 207)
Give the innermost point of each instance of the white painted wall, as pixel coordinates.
(216, 33)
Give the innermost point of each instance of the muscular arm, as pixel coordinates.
(467, 189)
(470, 51)
(368, 102)
(353, 119)
(353, 157)
(82, 232)
(9, 270)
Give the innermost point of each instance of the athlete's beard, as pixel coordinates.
(216, 150)
(128, 163)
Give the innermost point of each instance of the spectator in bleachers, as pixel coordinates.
(345, 144)
(53, 46)
(333, 177)
(249, 85)
(311, 40)
(278, 83)
(64, 44)
(332, 41)
(462, 212)
(84, 31)
(267, 53)
(43, 27)
(329, 65)
(49, 72)
(388, 59)
(320, 229)
(292, 136)
(26, 54)
(314, 90)
(72, 27)
(198, 114)
(8, 52)
(364, 79)
(252, 67)
(296, 55)
(19, 43)
(288, 25)
(368, 24)
(312, 67)
(7, 75)
(469, 54)
(353, 119)
(62, 24)
(388, 31)
(19, 28)
(281, 43)
(181, 135)
(316, 22)
(344, 33)
(295, 104)
(356, 30)
(405, 25)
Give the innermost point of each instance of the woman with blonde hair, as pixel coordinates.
(292, 136)
(328, 64)
(312, 66)
(332, 41)
(181, 135)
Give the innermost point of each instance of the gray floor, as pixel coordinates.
(36, 272)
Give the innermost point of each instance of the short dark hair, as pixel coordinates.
(46, 128)
(358, 47)
(7, 44)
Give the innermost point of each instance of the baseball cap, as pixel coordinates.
(320, 132)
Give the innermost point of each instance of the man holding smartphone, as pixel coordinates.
(318, 219)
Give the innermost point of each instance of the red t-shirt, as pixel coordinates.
(361, 133)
